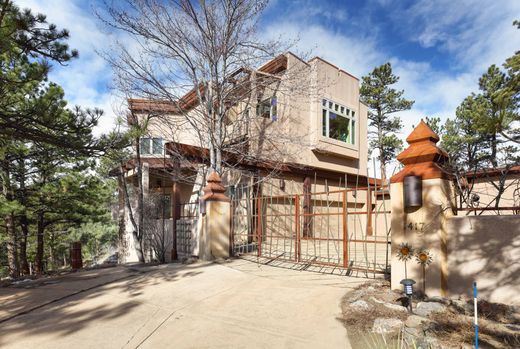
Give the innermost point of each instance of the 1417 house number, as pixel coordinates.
(415, 226)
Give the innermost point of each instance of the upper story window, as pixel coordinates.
(149, 146)
(267, 108)
(338, 122)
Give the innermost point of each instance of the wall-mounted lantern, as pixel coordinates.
(412, 191)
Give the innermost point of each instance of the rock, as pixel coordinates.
(438, 299)
(411, 333)
(395, 307)
(371, 289)
(462, 306)
(374, 299)
(429, 342)
(387, 325)
(414, 321)
(360, 305)
(426, 308)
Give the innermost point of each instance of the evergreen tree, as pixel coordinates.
(383, 101)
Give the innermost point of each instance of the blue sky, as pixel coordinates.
(439, 48)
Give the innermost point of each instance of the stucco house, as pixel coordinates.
(321, 128)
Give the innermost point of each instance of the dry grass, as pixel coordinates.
(457, 328)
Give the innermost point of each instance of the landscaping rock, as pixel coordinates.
(374, 299)
(429, 342)
(414, 321)
(411, 334)
(387, 326)
(360, 305)
(438, 299)
(426, 308)
(462, 306)
(395, 307)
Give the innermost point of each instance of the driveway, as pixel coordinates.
(236, 304)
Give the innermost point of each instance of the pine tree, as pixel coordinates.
(383, 101)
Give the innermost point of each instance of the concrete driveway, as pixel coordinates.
(237, 304)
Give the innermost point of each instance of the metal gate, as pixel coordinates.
(344, 231)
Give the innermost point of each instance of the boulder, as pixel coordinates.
(360, 305)
(426, 308)
(374, 299)
(387, 325)
(414, 321)
(395, 307)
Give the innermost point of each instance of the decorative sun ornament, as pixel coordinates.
(424, 257)
(405, 252)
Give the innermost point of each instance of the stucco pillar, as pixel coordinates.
(215, 237)
(423, 227)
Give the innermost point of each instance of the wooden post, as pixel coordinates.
(176, 213)
(297, 241)
(307, 208)
(345, 230)
(369, 209)
(259, 223)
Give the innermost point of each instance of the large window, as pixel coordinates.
(338, 122)
(151, 146)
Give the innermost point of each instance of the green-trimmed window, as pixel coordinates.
(338, 122)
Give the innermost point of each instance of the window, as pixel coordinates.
(338, 122)
(268, 108)
(151, 146)
(145, 146)
(157, 146)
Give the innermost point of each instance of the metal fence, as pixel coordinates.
(339, 231)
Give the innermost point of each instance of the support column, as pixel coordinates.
(422, 226)
(217, 221)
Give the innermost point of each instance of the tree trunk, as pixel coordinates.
(494, 151)
(138, 233)
(121, 218)
(12, 243)
(24, 224)
(382, 161)
(40, 230)
(12, 251)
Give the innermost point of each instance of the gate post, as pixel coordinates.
(422, 225)
(217, 221)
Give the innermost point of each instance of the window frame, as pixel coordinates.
(328, 106)
(151, 148)
(273, 108)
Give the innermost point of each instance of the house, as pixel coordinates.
(300, 128)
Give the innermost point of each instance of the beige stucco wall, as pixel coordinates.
(428, 230)
(296, 135)
(485, 188)
(485, 249)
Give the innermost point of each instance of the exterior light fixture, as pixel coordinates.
(408, 291)
(412, 191)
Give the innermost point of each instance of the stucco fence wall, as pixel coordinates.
(485, 249)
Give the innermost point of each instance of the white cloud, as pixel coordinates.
(472, 34)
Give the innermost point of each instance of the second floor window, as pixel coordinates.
(150, 146)
(267, 108)
(338, 122)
